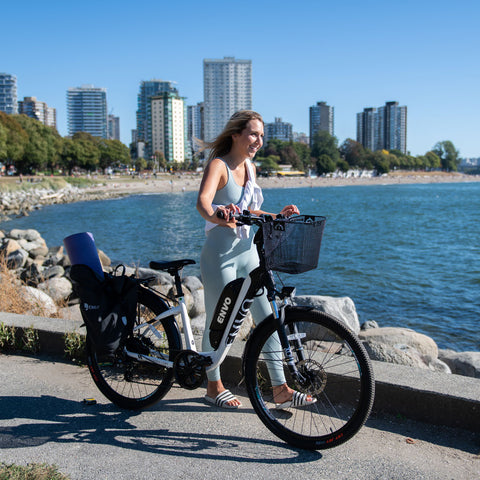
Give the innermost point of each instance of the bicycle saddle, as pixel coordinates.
(171, 265)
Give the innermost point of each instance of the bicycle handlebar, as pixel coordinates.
(248, 218)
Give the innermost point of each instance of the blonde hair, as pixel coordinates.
(237, 123)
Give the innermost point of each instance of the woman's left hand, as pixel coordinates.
(290, 210)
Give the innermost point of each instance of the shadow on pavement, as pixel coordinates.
(44, 419)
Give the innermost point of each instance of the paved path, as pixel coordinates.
(43, 419)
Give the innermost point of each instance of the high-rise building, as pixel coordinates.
(8, 93)
(195, 127)
(367, 128)
(149, 89)
(227, 88)
(113, 127)
(321, 119)
(40, 111)
(169, 126)
(87, 110)
(392, 124)
(278, 130)
(384, 128)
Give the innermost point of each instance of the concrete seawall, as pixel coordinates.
(422, 395)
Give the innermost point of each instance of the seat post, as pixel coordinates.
(174, 272)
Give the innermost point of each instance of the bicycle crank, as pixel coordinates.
(189, 368)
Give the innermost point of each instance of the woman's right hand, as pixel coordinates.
(224, 215)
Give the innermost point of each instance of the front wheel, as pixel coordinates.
(334, 369)
(126, 381)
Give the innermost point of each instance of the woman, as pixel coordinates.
(229, 186)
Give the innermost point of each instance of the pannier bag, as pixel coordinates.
(108, 306)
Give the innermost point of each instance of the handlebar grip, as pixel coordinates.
(220, 214)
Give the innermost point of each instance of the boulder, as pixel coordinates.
(51, 272)
(9, 246)
(161, 278)
(399, 338)
(55, 255)
(42, 304)
(58, 288)
(30, 235)
(16, 259)
(402, 346)
(462, 363)
(192, 283)
(342, 308)
(104, 259)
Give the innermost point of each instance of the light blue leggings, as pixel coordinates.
(224, 258)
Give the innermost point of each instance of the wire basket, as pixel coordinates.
(293, 245)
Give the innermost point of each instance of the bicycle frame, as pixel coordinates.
(242, 294)
(244, 298)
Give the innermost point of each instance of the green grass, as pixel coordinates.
(33, 471)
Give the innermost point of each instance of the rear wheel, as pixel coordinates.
(131, 383)
(335, 370)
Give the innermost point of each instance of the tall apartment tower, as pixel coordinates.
(321, 119)
(113, 127)
(278, 130)
(392, 124)
(367, 128)
(149, 89)
(384, 128)
(195, 126)
(87, 110)
(40, 111)
(169, 126)
(8, 93)
(227, 88)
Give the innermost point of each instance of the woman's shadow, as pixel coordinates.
(47, 419)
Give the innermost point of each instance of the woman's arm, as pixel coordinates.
(214, 178)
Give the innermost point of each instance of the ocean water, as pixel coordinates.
(407, 255)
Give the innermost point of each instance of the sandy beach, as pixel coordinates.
(190, 182)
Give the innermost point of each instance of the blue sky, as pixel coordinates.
(351, 54)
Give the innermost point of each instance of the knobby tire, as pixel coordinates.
(133, 384)
(337, 373)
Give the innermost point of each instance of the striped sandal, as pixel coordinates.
(222, 399)
(298, 400)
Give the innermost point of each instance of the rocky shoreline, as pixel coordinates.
(21, 202)
(42, 277)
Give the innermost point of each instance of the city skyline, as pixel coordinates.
(419, 54)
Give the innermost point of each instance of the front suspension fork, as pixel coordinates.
(279, 319)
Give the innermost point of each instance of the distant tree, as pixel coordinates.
(269, 164)
(381, 162)
(140, 164)
(289, 156)
(343, 166)
(353, 152)
(88, 153)
(113, 153)
(325, 144)
(69, 155)
(3, 142)
(448, 154)
(273, 147)
(17, 138)
(432, 160)
(325, 164)
(41, 149)
(160, 158)
(303, 153)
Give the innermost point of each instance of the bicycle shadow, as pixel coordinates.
(47, 419)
